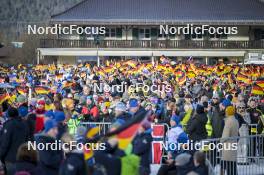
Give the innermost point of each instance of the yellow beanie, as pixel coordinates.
(230, 111)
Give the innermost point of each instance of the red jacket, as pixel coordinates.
(93, 112)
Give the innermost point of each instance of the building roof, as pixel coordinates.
(164, 12)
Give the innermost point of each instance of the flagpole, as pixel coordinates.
(152, 58)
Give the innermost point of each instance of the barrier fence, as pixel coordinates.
(241, 155)
(103, 126)
(229, 156)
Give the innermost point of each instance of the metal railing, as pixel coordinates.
(103, 126)
(246, 152)
(242, 155)
(169, 44)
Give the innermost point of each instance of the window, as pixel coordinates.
(161, 34)
(172, 36)
(85, 36)
(144, 33)
(110, 32)
(262, 34)
(187, 36)
(197, 36)
(218, 36)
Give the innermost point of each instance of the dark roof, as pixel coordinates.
(164, 12)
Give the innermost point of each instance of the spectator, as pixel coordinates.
(173, 135)
(49, 159)
(15, 132)
(90, 111)
(31, 123)
(26, 160)
(255, 116)
(134, 107)
(74, 163)
(184, 163)
(196, 126)
(40, 112)
(62, 127)
(142, 147)
(217, 117)
(199, 163)
(120, 112)
(229, 156)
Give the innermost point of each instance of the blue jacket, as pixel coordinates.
(142, 148)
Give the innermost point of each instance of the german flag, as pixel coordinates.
(127, 132)
(180, 77)
(131, 63)
(260, 82)
(244, 78)
(42, 90)
(108, 69)
(230, 79)
(3, 98)
(67, 84)
(90, 135)
(235, 71)
(178, 73)
(101, 72)
(257, 90)
(21, 90)
(107, 63)
(59, 76)
(191, 74)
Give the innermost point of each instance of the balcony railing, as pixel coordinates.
(165, 44)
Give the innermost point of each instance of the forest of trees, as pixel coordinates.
(15, 15)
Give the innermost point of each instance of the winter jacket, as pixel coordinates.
(14, 133)
(141, 110)
(23, 166)
(39, 123)
(31, 123)
(255, 118)
(184, 166)
(186, 117)
(62, 128)
(74, 164)
(107, 162)
(230, 130)
(91, 114)
(124, 116)
(49, 160)
(201, 170)
(196, 127)
(217, 121)
(173, 135)
(142, 148)
(130, 165)
(72, 124)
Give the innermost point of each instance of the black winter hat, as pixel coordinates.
(12, 112)
(199, 109)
